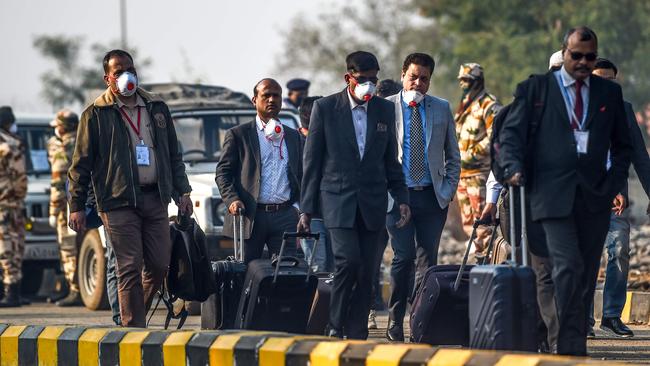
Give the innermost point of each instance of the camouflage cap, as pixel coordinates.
(470, 70)
(66, 118)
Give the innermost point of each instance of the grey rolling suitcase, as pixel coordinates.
(502, 299)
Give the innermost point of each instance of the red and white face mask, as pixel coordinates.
(127, 84)
(274, 130)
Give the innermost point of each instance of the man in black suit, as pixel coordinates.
(565, 166)
(350, 163)
(259, 172)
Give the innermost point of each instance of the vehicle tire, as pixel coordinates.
(91, 271)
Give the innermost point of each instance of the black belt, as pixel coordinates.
(421, 188)
(272, 207)
(149, 188)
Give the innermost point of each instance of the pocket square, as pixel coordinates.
(603, 109)
(382, 127)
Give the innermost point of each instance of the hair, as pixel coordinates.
(585, 33)
(554, 68)
(421, 59)
(114, 53)
(261, 81)
(6, 116)
(305, 110)
(387, 87)
(361, 61)
(603, 63)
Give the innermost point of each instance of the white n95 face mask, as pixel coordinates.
(274, 130)
(365, 91)
(127, 84)
(412, 97)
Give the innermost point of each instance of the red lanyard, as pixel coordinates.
(137, 130)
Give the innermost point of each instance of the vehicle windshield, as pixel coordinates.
(200, 134)
(35, 138)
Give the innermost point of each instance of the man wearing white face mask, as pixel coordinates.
(350, 163)
(260, 172)
(430, 159)
(127, 145)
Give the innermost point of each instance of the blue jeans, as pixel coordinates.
(322, 261)
(111, 282)
(618, 265)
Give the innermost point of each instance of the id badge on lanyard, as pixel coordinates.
(141, 149)
(142, 154)
(581, 136)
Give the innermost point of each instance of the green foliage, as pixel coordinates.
(511, 39)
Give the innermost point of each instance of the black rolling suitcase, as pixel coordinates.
(503, 301)
(219, 311)
(319, 315)
(278, 293)
(439, 312)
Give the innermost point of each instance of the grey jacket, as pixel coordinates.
(441, 144)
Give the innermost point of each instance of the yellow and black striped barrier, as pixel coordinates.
(96, 346)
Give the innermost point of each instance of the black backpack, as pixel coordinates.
(190, 275)
(537, 96)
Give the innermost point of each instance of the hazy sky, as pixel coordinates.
(225, 42)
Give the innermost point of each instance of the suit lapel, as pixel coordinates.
(371, 125)
(594, 102)
(292, 149)
(346, 125)
(557, 100)
(430, 118)
(254, 144)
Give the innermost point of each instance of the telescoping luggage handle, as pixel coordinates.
(238, 234)
(472, 237)
(296, 235)
(524, 234)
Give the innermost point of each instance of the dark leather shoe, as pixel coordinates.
(590, 333)
(395, 332)
(334, 333)
(615, 327)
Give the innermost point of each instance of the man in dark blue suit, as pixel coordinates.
(350, 162)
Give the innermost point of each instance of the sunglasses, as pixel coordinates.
(576, 56)
(365, 79)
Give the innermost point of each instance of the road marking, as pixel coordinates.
(88, 346)
(9, 345)
(174, 348)
(390, 354)
(130, 348)
(47, 346)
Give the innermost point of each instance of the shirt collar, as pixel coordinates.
(138, 102)
(260, 124)
(568, 80)
(354, 104)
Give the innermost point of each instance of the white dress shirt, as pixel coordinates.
(360, 121)
(567, 86)
(274, 184)
(493, 189)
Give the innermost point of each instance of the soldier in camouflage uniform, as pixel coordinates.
(60, 148)
(474, 118)
(13, 188)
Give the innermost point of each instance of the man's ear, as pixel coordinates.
(108, 83)
(402, 77)
(347, 78)
(253, 99)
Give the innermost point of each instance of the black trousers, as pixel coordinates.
(414, 244)
(268, 228)
(354, 252)
(546, 297)
(575, 244)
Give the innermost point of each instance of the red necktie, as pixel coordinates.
(577, 108)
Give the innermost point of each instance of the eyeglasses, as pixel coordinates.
(576, 56)
(365, 79)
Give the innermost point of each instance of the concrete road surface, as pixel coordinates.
(635, 349)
